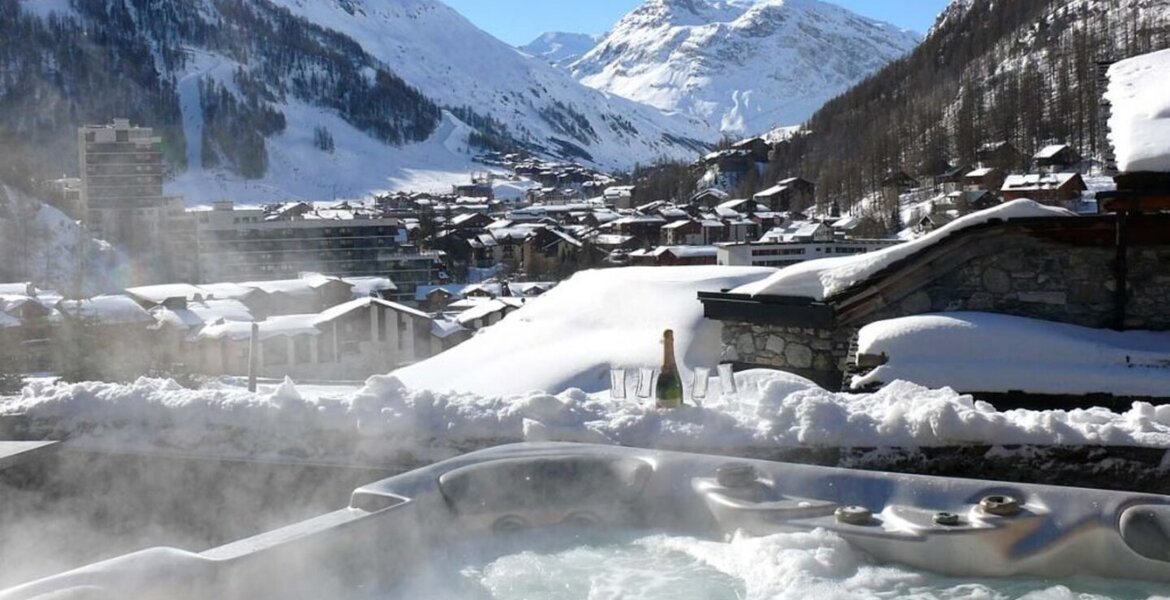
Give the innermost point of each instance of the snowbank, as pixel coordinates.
(386, 421)
(569, 336)
(981, 352)
(1139, 125)
(820, 279)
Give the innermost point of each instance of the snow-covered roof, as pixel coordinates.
(444, 328)
(678, 224)
(283, 325)
(1037, 181)
(181, 319)
(480, 311)
(1050, 150)
(305, 285)
(776, 189)
(17, 289)
(228, 309)
(227, 290)
(688, 251)
(981, 352)
(107, 310)
(366, 286)
(639, 219)
(1139, 122)
(980, 172)
(821, 278)
(612, 239)
(161, 293)
(362, 303)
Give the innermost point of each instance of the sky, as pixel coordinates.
(518, 22)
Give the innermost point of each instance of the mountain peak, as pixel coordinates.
(744, 67)
(559, 48)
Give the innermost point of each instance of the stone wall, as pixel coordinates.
(814, 353)
(1016, 274)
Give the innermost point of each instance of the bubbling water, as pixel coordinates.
(643, 566)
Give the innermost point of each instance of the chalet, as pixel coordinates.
(645, 228)
(447, 333)
(757, 148)
(470, 221)
(299, 296)
(708, 198)
(969, 201)
(899, 180)
(1047, 187)
(550, 250)
(476, 189)
(934, 220)
(794, 193)
(686, 232)
(859, 227)
(951, 179)
(675, 256)
(984, 178)
(488, 313)
(350, 340)
(621, 196)
(1000, 155)
(1057, 157)
(26, 327)
(118, 323)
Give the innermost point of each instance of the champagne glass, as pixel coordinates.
(699, 382)
(727, 381)
(647, 377)
(617, 383)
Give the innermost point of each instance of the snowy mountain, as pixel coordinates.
(743, 66)
(560, 49)
(272, 99)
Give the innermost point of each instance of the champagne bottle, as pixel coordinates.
(669, 391)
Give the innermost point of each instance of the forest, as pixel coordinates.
(1025, 72)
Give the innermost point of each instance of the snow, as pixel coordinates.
(369, 286)
(440, 53)
(106, 310)
(772, 410)
(822, 278)
(569, 336)
(743, 67)
(160, 293)
(42, 244)
(480, 310)
(361, 303)
(560, 49)
(1139, 125)
(981, 352)
(276, 326)
(1037, 181)
(359, 166)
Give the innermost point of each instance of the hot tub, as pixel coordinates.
(393, 530)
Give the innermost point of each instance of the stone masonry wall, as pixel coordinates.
(1018, 275)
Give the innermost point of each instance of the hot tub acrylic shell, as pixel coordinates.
(951, 526)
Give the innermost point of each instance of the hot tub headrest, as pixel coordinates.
(544, 482)
(1146, 530)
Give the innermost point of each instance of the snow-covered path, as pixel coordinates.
(200, 65)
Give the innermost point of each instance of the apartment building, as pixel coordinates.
(280, 241)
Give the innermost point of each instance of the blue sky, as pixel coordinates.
(520, 21)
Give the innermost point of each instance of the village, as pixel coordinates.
(344, 290)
